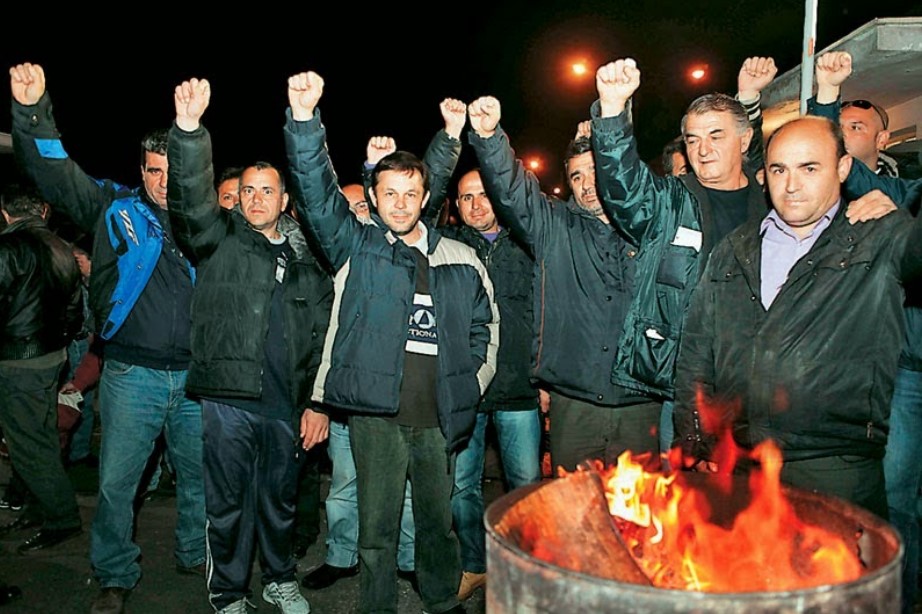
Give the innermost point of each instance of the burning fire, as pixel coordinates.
(675, 532)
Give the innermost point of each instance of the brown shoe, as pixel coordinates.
(110, 600)
(470, 582)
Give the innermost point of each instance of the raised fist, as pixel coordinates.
(833, 68)
(755, 75)
(27, 82)
(378, 148)
(616, 82)
(191, 99)
(484, 113)
(454, 112)
(304, 92)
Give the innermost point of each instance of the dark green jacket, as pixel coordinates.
(815, 371)
(665, 216)
(236, 278)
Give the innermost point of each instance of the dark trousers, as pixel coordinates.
(251, 471)
(307, 514)
(856, 479)
(29, 418)
(581, 431)
(385, 455)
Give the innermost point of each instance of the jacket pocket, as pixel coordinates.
(676, 266)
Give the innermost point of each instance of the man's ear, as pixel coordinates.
(745, 140)
(373, 197)
(883, 137)
(844, 167)
(425, 200)
(285, 201)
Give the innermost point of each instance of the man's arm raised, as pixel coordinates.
(38, 148)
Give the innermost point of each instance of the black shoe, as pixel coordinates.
(8, 593)
(47, 538)
(110, 600)
(301, 545)
(25, 521)
(409, 576)
(327, 575)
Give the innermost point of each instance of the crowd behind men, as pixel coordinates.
(314, 310)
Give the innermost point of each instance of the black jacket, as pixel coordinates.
(583, 278)
(510, 266)
(40, 302)
(236, 277)
(815, 371)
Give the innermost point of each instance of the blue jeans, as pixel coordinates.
(903, 472)
(519, 434)
(342, 507)
(82, 435)
(136, 404)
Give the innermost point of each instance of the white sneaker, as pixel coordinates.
(238, 607)
(286, 597)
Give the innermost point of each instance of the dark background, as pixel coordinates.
(386, 69)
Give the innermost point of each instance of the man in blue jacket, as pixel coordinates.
(140, 293)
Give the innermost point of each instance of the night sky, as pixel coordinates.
(386, 71)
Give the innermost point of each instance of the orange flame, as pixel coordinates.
(668, 527)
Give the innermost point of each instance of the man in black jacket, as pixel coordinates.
(40, 311)
(510, 401)
(260, 309)
(796, 325)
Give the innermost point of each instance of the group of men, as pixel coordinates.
(248, 337)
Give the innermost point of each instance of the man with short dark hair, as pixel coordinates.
(411, 348)
(261, 309)
(141, 295)
(229, 187)
(779, 325)
(40, 312)
(510, 403)
(675, 164)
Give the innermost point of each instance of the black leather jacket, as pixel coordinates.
(40, 303)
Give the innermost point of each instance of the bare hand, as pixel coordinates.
(616, 82)
(755, 75)
(583, 130)
(28, 83)
(191, 99)
(544, 401)
(833, 68)
(378, 148)
(454, 112)
(304, 92)
(315, 428)
(484, 113)
(872, 206)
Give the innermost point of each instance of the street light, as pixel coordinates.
(579, 68)
(698, 73)
(534, 164)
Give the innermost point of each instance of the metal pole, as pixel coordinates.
(806, 61)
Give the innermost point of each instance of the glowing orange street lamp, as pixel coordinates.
(579, 68)
(534, 164)
(698, 73)
(556, 191)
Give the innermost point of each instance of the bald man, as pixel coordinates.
(798, 321)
